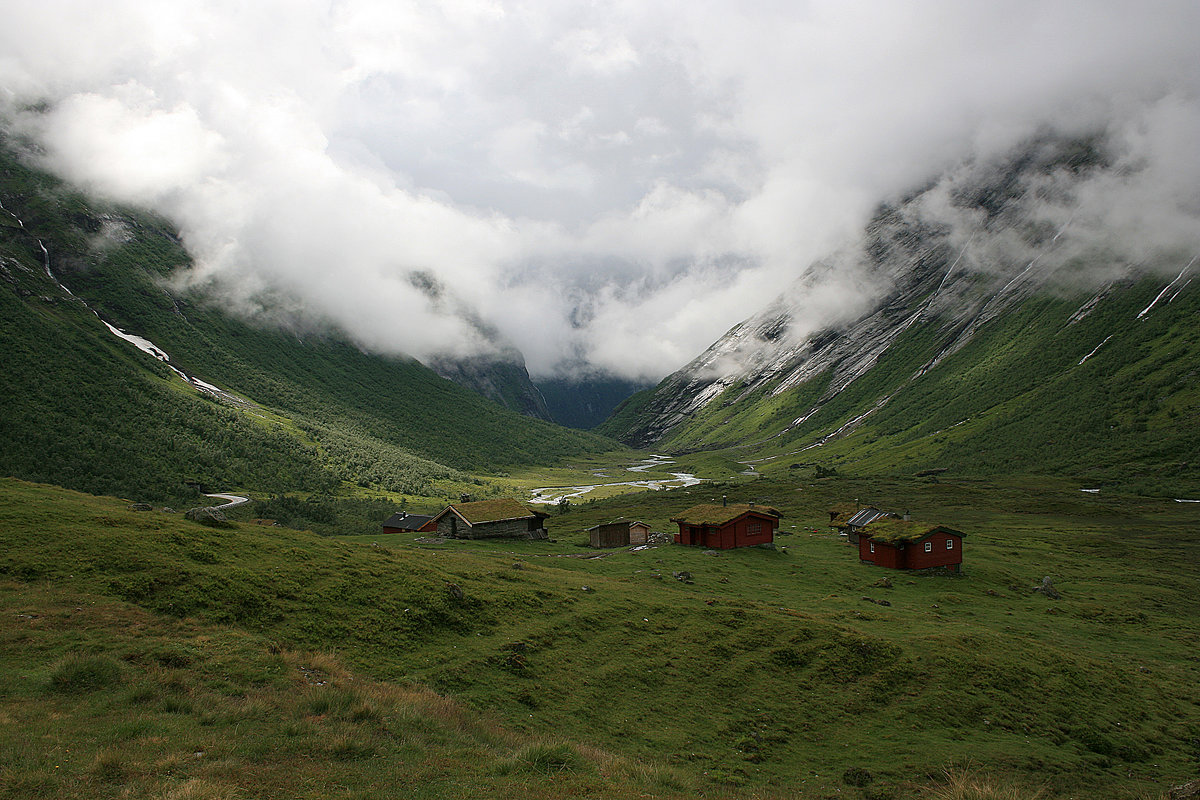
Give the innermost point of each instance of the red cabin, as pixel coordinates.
(725, 527)
(909, 545)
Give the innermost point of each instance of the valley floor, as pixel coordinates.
(145, 656)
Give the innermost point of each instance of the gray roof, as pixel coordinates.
(866, 516)
(409, 522)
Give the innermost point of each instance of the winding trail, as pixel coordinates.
(233, 500)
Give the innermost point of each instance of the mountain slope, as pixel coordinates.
(585, 402)
(994, 350)
(304, 409)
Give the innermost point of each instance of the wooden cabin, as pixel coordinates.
(900, 544)
(723, 527)
(401, 522)
(618, 534)
(857, 522)
(485, 519)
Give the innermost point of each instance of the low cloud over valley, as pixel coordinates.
(607, 186)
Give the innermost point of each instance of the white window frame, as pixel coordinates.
(872, 544)
(929, 547)
(949, 544)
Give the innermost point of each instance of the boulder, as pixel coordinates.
(1047, 588)
(207, 515)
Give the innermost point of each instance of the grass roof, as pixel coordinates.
(504, 508)
(843, 511)
(898, 531)
(706, 514)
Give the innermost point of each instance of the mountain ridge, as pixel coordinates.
(89, 411)
(761, 388)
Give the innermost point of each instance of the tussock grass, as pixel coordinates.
(109, 766)
(544, 758)
(83, 672)
(972, 783)
(198, 789)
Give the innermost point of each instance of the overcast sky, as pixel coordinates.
(609, 183)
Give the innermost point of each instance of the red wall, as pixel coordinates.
(938, 556)
(881, 554)
(741, 530)
(733, 534)
(913, 556)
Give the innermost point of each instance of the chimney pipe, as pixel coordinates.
(724, 499)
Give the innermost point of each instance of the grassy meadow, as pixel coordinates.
(145, 656)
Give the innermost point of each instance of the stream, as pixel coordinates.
(555, 494)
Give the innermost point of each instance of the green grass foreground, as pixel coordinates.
(145, 656)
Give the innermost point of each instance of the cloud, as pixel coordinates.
(610, 184)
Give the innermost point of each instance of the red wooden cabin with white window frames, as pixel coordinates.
(899, 544)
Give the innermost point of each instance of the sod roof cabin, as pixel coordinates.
(901, 544)
(855, 524)
(485, 519)
(401, 522)
(723, 527)
(622, 533)
(840, 513)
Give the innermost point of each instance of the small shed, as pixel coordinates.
(401, 522)
(724, 527)
(618, 534)
(901, 544)
(485, 519)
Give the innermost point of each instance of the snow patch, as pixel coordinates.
(1095, 349)
(1167, 288)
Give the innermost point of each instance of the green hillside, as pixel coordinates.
(86, 410)
(1016, 400)
(795, 672)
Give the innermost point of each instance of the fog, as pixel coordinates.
(604, 186)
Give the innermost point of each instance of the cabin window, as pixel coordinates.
(929, 547)
(949, 544)
(872, 547)
(754, 528)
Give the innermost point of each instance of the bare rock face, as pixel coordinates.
(207, 515)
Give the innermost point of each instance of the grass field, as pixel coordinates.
(305, 666)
